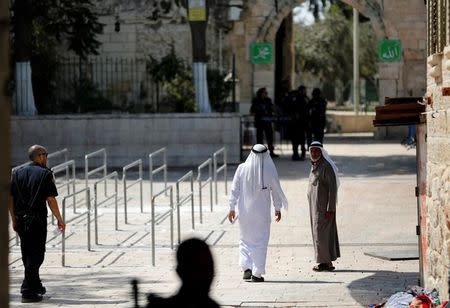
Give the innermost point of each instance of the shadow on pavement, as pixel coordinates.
(380, 285)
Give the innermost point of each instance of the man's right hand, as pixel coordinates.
(231, 216)
(61, 226)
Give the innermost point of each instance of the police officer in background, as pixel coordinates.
(262, 109)
(296, 108)
(317, 108)
(31, 187)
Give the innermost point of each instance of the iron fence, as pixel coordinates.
(105, 84)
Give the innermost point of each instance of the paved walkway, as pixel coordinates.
(376, 213)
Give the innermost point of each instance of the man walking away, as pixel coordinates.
(31, 187)
(322, 198)
(255, 183)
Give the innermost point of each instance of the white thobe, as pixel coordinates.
(254, 220)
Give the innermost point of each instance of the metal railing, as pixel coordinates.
(201, 184)
(221, 168)
(163, 168)
(188, 176)
(114, 175)
(67, 167)
(170, 189)
(125, 186)
(103, 167)
(64, 152)
(88, 203)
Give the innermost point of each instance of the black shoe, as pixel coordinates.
(257, 279)
(247, 274)
(31, 298)
(40, 290)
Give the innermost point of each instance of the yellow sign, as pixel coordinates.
(197, 10)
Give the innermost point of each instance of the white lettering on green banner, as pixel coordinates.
(261, 53)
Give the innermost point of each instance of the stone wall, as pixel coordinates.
(438, 175)
(190, 138)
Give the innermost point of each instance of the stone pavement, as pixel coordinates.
(376, 212)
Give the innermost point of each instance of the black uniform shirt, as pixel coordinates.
(28, 182)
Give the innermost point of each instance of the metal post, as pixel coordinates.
(178, 212)
(124, 184)
(356, 90)
(170, 188)
(116, 199)
(192, 201)
(215, 176)
(140, 185)
(210, 185)
(225, 169)
(63, 234)
(95, 214)
(199, 179)
(88, 196)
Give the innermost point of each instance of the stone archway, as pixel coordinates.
(281, 20)
(260, 23)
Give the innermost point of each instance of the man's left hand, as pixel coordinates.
(277, 216)
(329, 215)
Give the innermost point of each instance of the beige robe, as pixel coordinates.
(322, 197)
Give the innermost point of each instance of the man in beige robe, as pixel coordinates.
(322, 198)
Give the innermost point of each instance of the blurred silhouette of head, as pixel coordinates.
(316, 93)
(195, 266)
(262, 92)
(302, 90)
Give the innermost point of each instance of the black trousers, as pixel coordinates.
(298, 137)
(32, 245)
(266, 129)
(315, 134)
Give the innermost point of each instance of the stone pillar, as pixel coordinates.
(438, 174)
(5, 161)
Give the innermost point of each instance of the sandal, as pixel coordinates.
(323, 267)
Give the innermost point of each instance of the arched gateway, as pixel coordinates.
(260, 22)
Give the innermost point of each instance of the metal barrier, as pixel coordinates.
(170, 189)
(114, 175)
(66, 166)
(88, 203)
(125, 186)
(64, 152)
(163, 167)
(103, 167)
(190, 176)
(208, 163)
(223, 167)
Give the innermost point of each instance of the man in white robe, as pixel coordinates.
(322, 198)
(255, 183)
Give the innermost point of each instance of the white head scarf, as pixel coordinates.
(318, 145)
(258, 170)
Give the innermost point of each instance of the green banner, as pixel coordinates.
(389, 51)
(261, 53)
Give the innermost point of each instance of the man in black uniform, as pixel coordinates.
(317, 107)
(31, 187)
(262, 108)
(296, 107)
